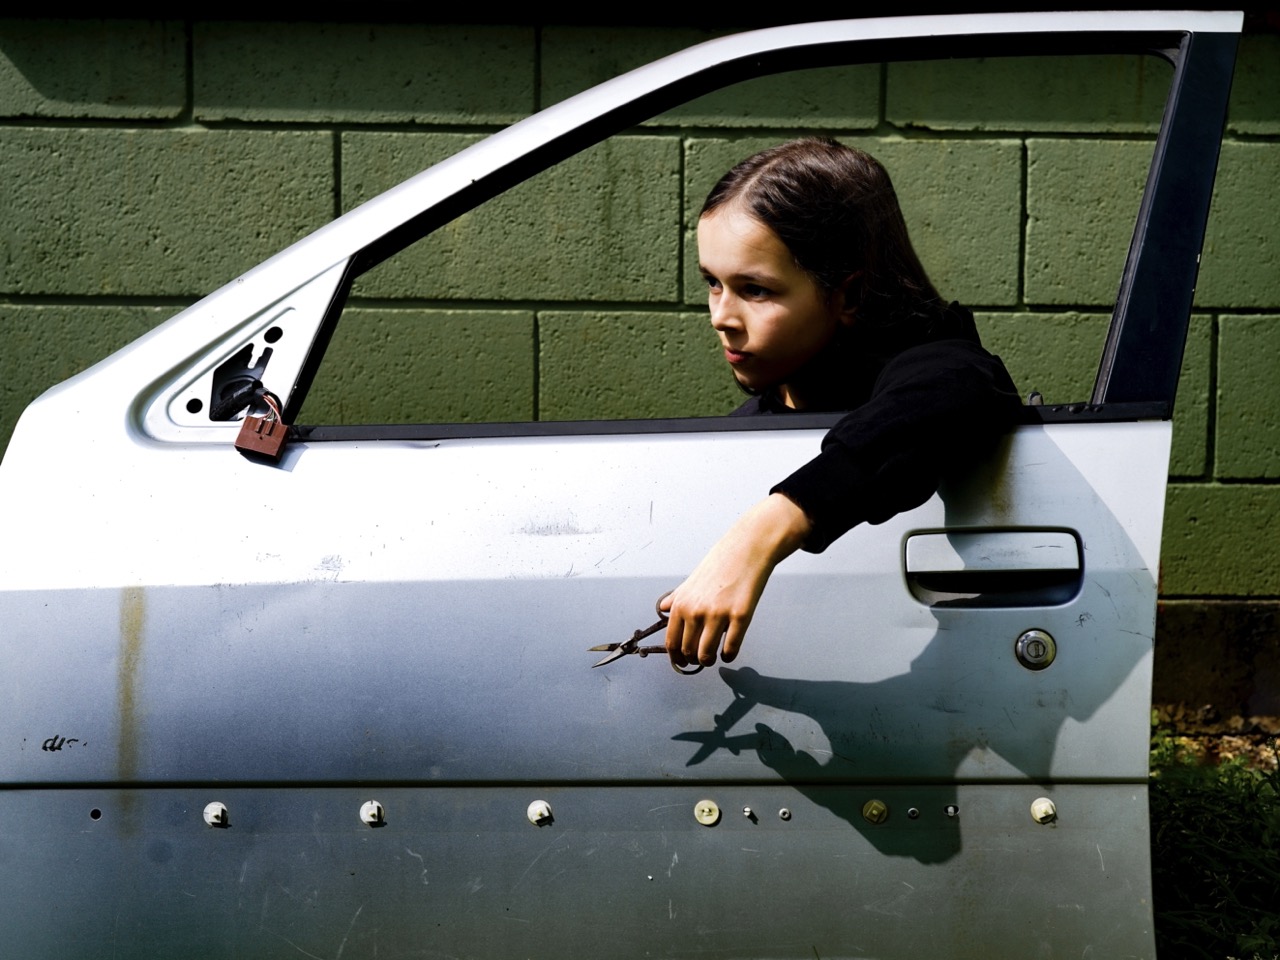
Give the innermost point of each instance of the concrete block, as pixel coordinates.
(1255, 88)
(577, 58)
(425, 366)
(601, 226)
(45, 345)
(362, 73)
(961, 200)
(158, 212)
(1190, 454)
(1248, 430)
(631, 365)
(1082, 201)
(101, 69)
(1058, 355)
(1241, 262)
(1221, 540)
(1044, 94)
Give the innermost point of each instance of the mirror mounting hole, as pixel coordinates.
(95, 814)
(195, 405)
(236, 385)
(273, 334)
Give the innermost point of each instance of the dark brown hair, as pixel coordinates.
(835, 209)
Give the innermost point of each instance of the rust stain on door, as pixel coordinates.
(133, 610)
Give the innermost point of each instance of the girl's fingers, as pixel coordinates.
(709, 643)
(702, 636)
(675, 638)
(682, 638)
(733, 639)
(692, 638)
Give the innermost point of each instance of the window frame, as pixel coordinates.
(1142, 355)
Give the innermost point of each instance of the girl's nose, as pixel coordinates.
(724, 311)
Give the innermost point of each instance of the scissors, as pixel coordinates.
(616, 651)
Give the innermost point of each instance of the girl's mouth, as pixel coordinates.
(736, 357)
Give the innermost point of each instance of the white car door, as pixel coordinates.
(344, 706)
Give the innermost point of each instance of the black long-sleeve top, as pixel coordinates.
(915, 415)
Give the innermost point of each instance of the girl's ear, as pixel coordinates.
(848, 297)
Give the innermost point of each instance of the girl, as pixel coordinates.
(821, 304)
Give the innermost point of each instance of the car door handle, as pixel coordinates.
(993, 568)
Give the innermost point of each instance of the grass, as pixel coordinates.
(1215, 836)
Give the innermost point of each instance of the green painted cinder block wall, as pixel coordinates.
(145, 163)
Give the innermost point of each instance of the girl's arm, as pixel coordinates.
(935, 408)
(719, 598)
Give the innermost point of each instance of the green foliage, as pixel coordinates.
(1214, 833)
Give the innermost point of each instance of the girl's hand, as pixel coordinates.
(719, 598)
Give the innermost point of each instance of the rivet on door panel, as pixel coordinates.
(1043, 810)
(875, 811)
(539, 813)
(706, 812)
(215, 815)
(371, 812)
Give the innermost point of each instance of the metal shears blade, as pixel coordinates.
(616, 651)
(619, 650)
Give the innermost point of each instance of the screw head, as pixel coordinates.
(784, 814)
(215, 814)
(913, 813)
(875, 811)
(951, 810)
(371, 812)
(706, 812)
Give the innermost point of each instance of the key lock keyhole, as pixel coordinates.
(1035, 649)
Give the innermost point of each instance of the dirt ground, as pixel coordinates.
(1202, 732)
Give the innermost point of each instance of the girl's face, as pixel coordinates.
(771, 316)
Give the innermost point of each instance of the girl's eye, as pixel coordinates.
(712, 282)
(755, 291)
